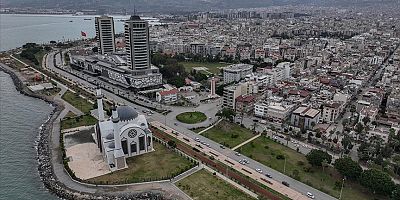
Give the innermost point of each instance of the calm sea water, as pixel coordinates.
(16, 30)
(20, 119)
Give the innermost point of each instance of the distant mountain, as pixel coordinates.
(181, 5)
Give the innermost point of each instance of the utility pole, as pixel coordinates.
(284, 166)
(341, 189)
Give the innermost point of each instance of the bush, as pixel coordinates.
(280, 157)
(300, 163)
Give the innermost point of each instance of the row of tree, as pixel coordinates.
(375, 180)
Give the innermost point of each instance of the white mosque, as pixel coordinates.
(124, 134)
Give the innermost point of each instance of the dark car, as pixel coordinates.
(285, 183)
(268, 175)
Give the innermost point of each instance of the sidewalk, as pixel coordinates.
(210, 127)
(247, 141)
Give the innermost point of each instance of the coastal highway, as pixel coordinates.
(170, 121)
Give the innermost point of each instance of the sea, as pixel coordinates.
(20, 119)
(22, 116)
(17, 29)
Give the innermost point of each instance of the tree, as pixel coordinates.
(316, 157)
(396, 193)
(200, 77)
(95, 49)
(366, 120)
(348, 168)
(345, 122)
(359, 128)
(312, 124)
(171, 143)
(353, 109)
(226, 113)
(377, 181)
(346, 143)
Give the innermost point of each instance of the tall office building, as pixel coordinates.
(137, 43)
(105, 34)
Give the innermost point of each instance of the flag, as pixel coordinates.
(83, 34)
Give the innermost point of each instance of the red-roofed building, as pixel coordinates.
(245, 103)
(167, 96)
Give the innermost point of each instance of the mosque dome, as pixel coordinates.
(126, 113)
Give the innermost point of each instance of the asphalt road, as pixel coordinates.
(170, 121)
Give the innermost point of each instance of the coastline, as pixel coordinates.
(44, 152)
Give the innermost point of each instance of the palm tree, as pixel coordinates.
(324, 164)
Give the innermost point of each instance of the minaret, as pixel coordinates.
(100, 109)
(119, 156)
(115, 120)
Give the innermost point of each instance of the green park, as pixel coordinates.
(204, 185)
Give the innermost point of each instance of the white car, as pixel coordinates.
(259, 170)
(310, 195)
(197, 139)
(237, 153)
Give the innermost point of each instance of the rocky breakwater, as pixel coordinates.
(44, 154)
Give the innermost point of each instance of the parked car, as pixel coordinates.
(238, 154)
(197, 139)
(268, 175)
(222, 146)
(285, 183)
(259, 170)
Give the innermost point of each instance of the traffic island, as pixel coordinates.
(191, 117)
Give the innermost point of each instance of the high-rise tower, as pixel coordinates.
(105, 34)
(137, 43)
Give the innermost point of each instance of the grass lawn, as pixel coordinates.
(84, 120)
(70, 115)
(203, 185)
(157, 165)
(191, 117)
(212, 67)
(50, 92)
(39, 56)
(265, 151)
(77, 101)
(197, 130)
(228, 134)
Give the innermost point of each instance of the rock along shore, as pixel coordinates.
(44, 152)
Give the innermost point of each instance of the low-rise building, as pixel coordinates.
(167, 96)
(245, 103)
(233, 91)
(274, 111)
(305, 117)
(331, 111)
(369, 112)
